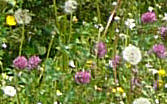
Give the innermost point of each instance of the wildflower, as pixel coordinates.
(116, 18)
(59, 93)
(159, 49)
(163, 31)
(82, 77)
(101, 49)
(114, 90)
(113, 63)
(165, 18)
(70, 6)
(4, 46)
(148, 17)
(161, 72)
(20, 62)
(71, 64)
(141, 100)
(74, 19)
(154, 71)
(10, 20)
(160, 83)
(166, 85)
(130, 23)
(150, 9)
(156, 101)
(119, 89)
(22, 16)
(132, 55)
(33, 62)
(114, 3)
(9, 90)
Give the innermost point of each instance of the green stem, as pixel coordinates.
(22, 39)
(130, 90)
(70, 27)
(98, 11)
(50, 45)
(17, 93)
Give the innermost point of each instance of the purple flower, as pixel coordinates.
(159, 50)
(101, 49)
(148, 17)
(113, 63)
(20, 62)
(33, 62)
(163, 31)
(82, 77)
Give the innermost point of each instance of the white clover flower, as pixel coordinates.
(71, 64)
(70, 6)
(117, 30)
(114, 3)
(150, 8)
(165, 18)
(116, 18)
(9, 90)
(166, 85)
(132, 55)
(130, 23)
(156, 101)
(141, 101)
(22, 16)
(4, 46)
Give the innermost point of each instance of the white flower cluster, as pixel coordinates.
(141, 101)
(132, 55)
(70, 6)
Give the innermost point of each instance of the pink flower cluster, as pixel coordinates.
(21, 62)
(101, 49)
(82, 77)
(148, 17)
(163, 31)
(159, 49)
(33, 62)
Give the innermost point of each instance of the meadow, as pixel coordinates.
(83, 52)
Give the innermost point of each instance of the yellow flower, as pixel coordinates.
(128, 65)
(119, 89)
(162, 72)
(10, 20)
(59, 93)
(160, 83)
(114, 90)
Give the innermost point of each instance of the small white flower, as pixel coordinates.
(101, 29)
(9, 90)
(4, 46)
(166, 85)
(157, 5)
(165, 18)
(130, 23)
(39, 103)
(121, 102)
(71, 64)
(117, 30)
(117, 18)
(132, 55)
(156, 101)
(70, 6)
(83, 23)
(154, 71)
(111, 63)
(150, 8)
(57, 102)
(114, 3)
(156, 36)
(141, 101)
